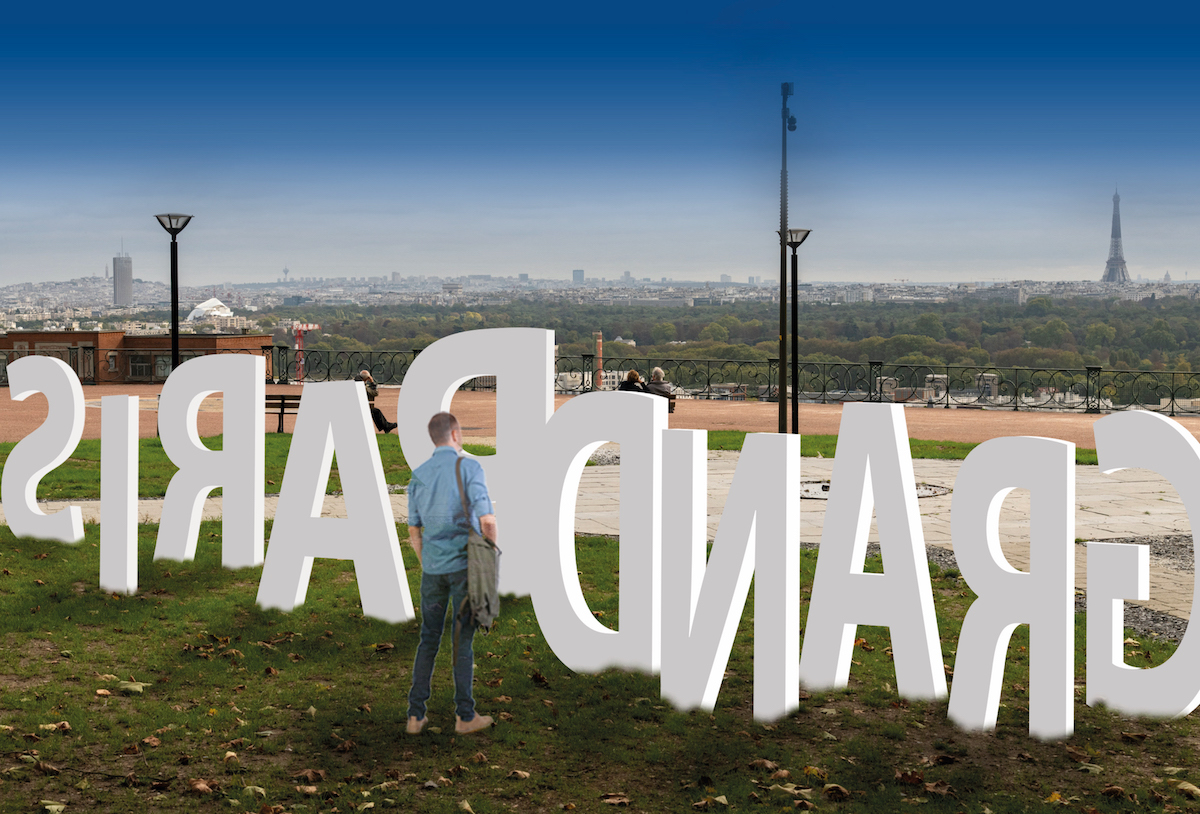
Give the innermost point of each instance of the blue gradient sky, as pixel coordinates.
(366, 147)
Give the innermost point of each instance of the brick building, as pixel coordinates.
(112, 357)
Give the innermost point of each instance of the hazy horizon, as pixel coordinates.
(956, 154)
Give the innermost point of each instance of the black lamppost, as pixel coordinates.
(174, 223)
(789, 123)
(794, 238)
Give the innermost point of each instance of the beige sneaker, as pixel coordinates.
(474, 725)
(415, 726)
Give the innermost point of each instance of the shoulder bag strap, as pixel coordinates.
(461, 493)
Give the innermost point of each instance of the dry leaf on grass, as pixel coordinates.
(1078, 755)
(310, 775)
(763, 763)
(910, 778)
(465, 806)
(517, 774)
(782, 774)
(198, 785)
(306, 789)
(940, 787)
(835, 792)
(1188, 790)
(152, 741)
(614, 799)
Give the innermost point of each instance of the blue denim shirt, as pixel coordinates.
(434, 505)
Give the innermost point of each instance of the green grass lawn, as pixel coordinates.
(188, 697)
(79, 477)
(824, 446)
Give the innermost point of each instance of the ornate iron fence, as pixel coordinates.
(387, 367)
(1092, 389)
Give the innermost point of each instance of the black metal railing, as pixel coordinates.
(1092, 389)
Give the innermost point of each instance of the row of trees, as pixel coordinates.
(1152, 334)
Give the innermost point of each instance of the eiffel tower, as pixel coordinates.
(1114, 269)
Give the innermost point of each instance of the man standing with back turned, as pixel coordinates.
(438, 533)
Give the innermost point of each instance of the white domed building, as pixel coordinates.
(209, 311)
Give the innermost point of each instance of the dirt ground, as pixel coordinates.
(477, 414)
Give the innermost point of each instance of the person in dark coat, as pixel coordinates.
(633, 383)
(381, 423)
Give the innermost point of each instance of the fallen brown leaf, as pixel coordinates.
(198, 785)
(782, 774)
(1188, 790)
(835, 792)
(1078, 755)
(940, 787)
(152, 741)
(517, 774)
(306, 789)
(910, 778)
(614, 799)
(763, 763)
(310, 775)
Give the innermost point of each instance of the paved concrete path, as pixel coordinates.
(1130, 503)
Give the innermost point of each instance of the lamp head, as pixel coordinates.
(795, 237)
(174, 222)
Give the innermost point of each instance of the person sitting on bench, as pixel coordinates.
(381, 423)
(659, 387)
(633, 383)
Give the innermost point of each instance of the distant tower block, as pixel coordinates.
(1114, 269)
(285, 274)
(123, 279)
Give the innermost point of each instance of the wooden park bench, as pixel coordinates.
(285, 404)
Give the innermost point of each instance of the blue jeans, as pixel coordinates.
(439, 593)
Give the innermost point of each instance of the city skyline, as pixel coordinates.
(966, 154)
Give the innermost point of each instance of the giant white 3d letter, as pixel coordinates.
(43, 449)
(237, 469)
(333, 416)
(873, 469)
(118, 493)
(1144, 440)
(636, 421)
(759, 536)
(522, 360)
(1042, 598)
